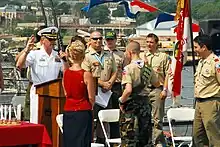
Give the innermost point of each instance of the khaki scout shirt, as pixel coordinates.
(119, 62)
(207, 77)
(101, 66)
(132, 74)
(160, 63)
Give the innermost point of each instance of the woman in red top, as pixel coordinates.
(80, 97)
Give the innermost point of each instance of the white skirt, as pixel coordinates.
(33, 105)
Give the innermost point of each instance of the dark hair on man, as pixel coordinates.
(152, 35)
(204, 40)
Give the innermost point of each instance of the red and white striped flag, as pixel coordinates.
(180, 54)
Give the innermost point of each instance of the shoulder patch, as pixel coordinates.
(216, 60)
(217, 65)
(124, 72)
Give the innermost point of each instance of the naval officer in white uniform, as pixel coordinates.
(45, 64)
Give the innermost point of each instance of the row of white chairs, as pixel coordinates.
(112, 115)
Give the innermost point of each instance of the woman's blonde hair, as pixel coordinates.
(77, 46)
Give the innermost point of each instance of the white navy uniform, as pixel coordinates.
(44, 68)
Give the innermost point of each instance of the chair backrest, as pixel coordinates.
(109, 115)
(59, 119)
(181, 114)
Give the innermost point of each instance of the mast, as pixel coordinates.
(43, 11)
(59, 38)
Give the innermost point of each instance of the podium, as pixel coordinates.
(51, 102)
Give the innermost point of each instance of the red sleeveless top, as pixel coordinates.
(76, 91)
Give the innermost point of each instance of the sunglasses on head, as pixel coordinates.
(98, 38)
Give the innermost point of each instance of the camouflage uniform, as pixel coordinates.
(135, 123)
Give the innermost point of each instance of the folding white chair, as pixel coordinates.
(59, 119)
(178, 115)
(109, 115)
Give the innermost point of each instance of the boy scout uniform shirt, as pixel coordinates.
(43, 67)
(132, 74)
(207, 77)
(101, 66)
(119, 61)
(160, 63)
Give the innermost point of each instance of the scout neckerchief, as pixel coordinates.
(100, 60)
(145, 70)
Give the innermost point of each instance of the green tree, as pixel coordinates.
(120, 12)
(99, 15)
(77, 9)
(26, 32)
(145, 17)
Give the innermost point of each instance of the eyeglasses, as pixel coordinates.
(99, 38)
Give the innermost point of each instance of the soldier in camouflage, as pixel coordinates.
(135, 118)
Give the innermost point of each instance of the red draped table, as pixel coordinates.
(24, 134)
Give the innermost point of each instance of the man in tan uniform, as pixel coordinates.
(102, 66)
(135, 118)
(206, 126)
(110, 40)
(160, 64)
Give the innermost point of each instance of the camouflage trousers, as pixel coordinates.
(135, 123)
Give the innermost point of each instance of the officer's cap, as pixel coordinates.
(50, 32)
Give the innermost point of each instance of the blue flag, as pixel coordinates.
(127, 9)
(97, 2)
(164, 17)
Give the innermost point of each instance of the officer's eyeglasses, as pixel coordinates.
(98, 38)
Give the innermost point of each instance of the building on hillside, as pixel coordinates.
(11, 12)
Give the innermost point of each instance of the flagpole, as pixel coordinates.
(191, 37)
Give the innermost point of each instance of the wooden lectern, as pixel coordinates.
(51, 103)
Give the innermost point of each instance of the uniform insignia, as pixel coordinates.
(216, 60)
(95, 63)
(124, 71)
(206, 70)
(218, 67)
(42, 59)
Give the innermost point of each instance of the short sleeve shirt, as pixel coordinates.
(207, 77)
(102, 66)
(132, 74)
(119, 61)
(160, 63)
(43, 67)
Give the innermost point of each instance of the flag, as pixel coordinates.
(180, 52)
(93, 3)
(136, 6)
(162, 17)
(179, 7)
